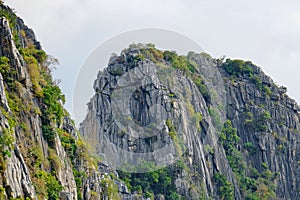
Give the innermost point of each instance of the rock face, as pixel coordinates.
(232, 99)
(41, 154)
(174, 127)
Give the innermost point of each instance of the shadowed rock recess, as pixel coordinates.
(199, 127)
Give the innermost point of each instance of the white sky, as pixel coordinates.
(265, 32)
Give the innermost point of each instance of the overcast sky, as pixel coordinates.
(265, 32)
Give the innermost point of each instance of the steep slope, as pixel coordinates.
(41, 155)
(226, 129)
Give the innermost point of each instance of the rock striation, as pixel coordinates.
(160, 126)
(42, 155)
(232, 97)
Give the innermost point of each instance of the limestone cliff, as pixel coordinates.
(41, 155)
(237, 132)
(163, 126)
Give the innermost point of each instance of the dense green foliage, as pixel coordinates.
(172, 130)
(52, 185)
(183, 64)
(229, 140)
(177, 62)
(12, 18)
(47, 105)
(238, 67)
(68, 142)
(229, 137)
(254, 185)
(49, 94)
(53, 99)
(156, 182)
(225, 188)
(5, 69)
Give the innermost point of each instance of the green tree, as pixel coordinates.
(228, 136)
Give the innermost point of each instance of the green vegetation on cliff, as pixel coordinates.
(160, 181)
(254, 157)
(36, 118)
(254, 185)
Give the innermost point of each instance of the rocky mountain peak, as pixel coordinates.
(159, 126)
(230, 118)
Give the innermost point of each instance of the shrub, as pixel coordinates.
(264, 165)
(152, 54)
(10, 16)
(7, 71)
(161, 181)
(6, 138)
(52, 99)
(52, 184)
(68, 142)
(261, 121)
(179, 62)
(199, 81)
(30, 51)
(249, 147)
(36, 153)
(54, 160)
(257, 81)
(228, 136)
(35, 75)
(6, 142)
(249, 118)
(2, 190)
(238, 67)
(267, 91)
(40, 187)
(172, 131)
(259, 85)
(48, 132)
(266, 116)
(4, 65)
(225, 188)
(196, 119)
(208, 149)
(139, 57)
(110, 189)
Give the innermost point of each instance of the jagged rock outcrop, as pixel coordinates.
(41, 155)
(275, 138)
(263, 162)
(196, 127)
(16, 178)
(9, 49)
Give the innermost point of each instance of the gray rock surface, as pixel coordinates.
(229, 99)
(18, 168)
(135, 125)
